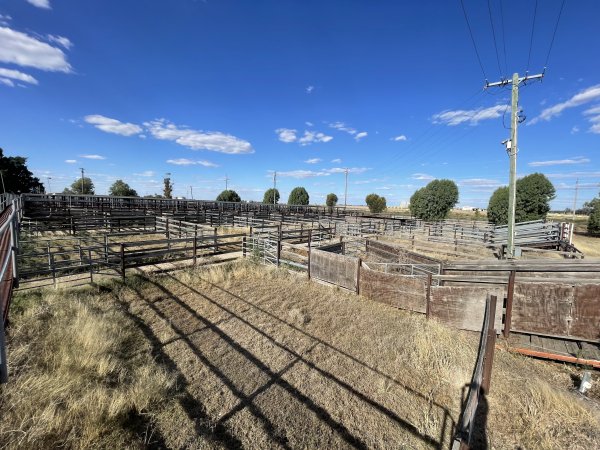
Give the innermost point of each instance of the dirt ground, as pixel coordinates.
(263, 358)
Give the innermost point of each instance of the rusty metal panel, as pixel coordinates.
(464, 307)
(586, 312)
(393, 253)
(401, 291)
(543, 308)
(333, 268)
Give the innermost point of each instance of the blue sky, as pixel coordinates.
(207, 89)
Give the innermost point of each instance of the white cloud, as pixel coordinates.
(574, 175)
(336, 161)
(45, 4)
(114, 126)
(575, 129)
(71, 161)
(309, 124)
(302, 174)
(400, 138)
(558, 162)
(309, 89)
(96, 157)
(198, 140)
(585, 96)
(16, 75)
(594, 117)
(422, 176)
(286, 135)
(146, 173)
(190, 162)
(25, 50)
(7, 82)
(361, 135)
(60, 40)
(480, 183)
(349, 169)
(4, 19)
(313, 161)
(289, 135)
(341, 126)
(472, 116)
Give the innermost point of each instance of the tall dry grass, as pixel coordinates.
(81, 376)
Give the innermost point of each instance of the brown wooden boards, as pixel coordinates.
(586, 312)
(336, 269)
(401, 291)
(464, 307)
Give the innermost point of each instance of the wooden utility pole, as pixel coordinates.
(346, 190)
(226, 181)
(82, 190)
(575, 199)
(512, 149)
(274, 187)
(192, 192)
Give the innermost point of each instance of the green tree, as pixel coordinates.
(268, 197)
(121, 189)
(594, 220)
(81, 186)
(331, 201)
(375, 203)
(229, 196)
(434, 201)
(298, 196)
(16, 176)
(533, 197)
(167, 188)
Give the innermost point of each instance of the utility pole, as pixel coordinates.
(82, 170)
(49, 187)
(226, 181)
(192, 192)
(512, 149)
(346, 190)
(274, 187)
(575, 200)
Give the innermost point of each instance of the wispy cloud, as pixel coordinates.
(471, 116)
(319, 173)
(594, 117)
(336, 161)
(71, 161)
(96, 157)
(313, 161)
(574, 175)
(45, 4)
(400, 138)
(559, 162)
(341, 126)
(60, 40)
(27, 51)
(361, 135)
(4, 19)
(289, 135)
(587, 95)
(349, 169)
(114, 126)
(190, 162)
(16, 75)
(422, 176)
(309, 89)
(480, 183)
(198, 140)
(146, 173)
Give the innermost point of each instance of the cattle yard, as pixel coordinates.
(448, 274)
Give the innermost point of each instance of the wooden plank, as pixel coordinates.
(405, 292)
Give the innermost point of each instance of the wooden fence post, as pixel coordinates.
(490, 346)
(91, 266)
(509, 303)
(53, 268)
(195, 254)
(123, 261)
(215, 241)
(358, 265)
(428, 298)
(244, 247)
(309, 242)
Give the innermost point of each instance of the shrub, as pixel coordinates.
(268, 197)
(375, 203)
(298, 196)
(331, 201)
(594, 221)
(121, 189)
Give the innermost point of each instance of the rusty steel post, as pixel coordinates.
(509, 303)
(490, 336)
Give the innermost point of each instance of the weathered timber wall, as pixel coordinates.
(464, 307)
(401, 291)
(333, 268)
(393, 253)
(557, 309)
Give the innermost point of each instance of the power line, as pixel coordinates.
(494, 36)
(554, 33)
(531, 38)
(473, 39)
(503, 36)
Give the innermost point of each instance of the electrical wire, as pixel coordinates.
(494, 36)
(532, 30)
(554, 33)
(503, 37)
(473, 39)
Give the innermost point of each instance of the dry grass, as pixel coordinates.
(589, 245)
(267, 359)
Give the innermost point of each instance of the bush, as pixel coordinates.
(229, 196)
(434, 201)
(298, 196)
(268, 197)
(375, 203)
(121, 189)
(534, 193)
(331, 201)
(594, 221)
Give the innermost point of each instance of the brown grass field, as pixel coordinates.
(244, 356)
